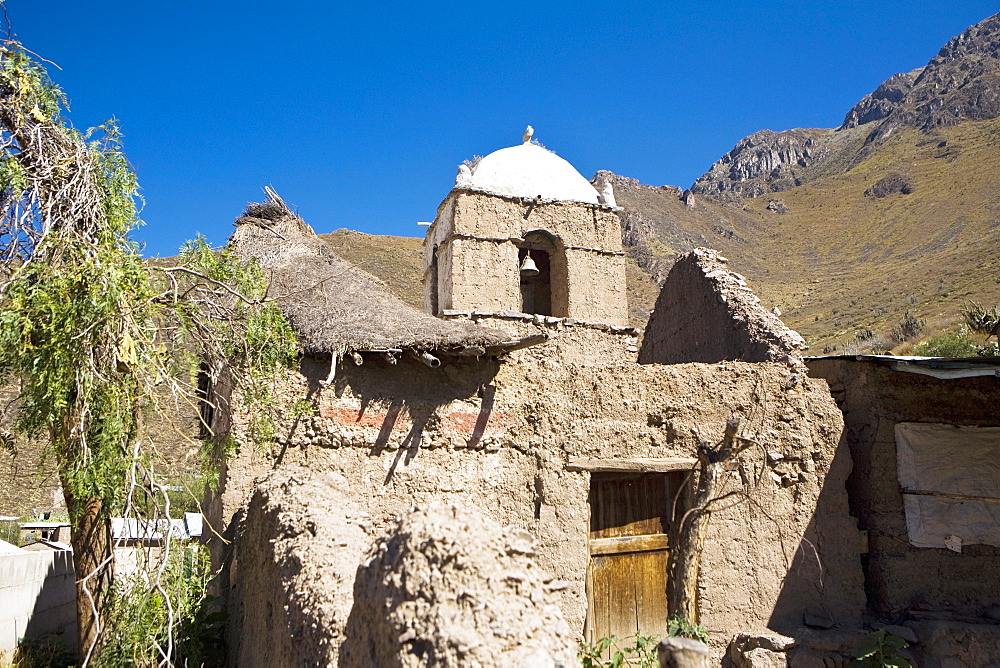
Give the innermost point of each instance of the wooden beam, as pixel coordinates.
(517, 344)
(946, 495)
(631, 465)
(622, 544)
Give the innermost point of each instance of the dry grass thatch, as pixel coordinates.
(334, 306)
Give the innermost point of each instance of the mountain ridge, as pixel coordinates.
(960, 83)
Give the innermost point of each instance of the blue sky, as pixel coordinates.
(358, 113)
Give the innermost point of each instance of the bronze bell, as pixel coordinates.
(528, 267)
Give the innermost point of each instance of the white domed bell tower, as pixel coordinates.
(523, 231)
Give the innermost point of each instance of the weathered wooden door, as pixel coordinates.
(627, 574)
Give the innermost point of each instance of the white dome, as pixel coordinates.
(529, 171)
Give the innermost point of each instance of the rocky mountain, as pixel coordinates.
(764, 162)
(894, 213)
(881, 102)
(962, 82)
(958, 84)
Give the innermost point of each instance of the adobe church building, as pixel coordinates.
(522, 395)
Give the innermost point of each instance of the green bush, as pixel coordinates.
(881, 650)
(641, 651)
(176, 612)
(678, 627)
(954, 344)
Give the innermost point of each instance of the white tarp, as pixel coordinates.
(951, 460)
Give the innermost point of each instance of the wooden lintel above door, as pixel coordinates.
(622, 544)
(631, 465)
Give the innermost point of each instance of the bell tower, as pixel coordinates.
(523, 231)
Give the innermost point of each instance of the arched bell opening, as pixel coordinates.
(541, 265)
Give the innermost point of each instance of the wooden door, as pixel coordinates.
(627, 573)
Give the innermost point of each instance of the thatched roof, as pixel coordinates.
(334, 306)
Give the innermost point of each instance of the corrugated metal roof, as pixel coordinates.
(31, 526)
(938, 367)
(142, 529)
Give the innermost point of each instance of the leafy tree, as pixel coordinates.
(94, 336)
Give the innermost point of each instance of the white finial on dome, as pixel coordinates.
(528, 132)
(464, 177)
(607, 196)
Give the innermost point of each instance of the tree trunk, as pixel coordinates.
(689, 536)
(91, 540)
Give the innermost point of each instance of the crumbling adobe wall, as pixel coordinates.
(706, 313)
(299, 548)
(476, 238)
(499, 438)
(901, 578)
(448, 587)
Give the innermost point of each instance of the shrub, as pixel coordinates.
(46, 651)
(641, 652)
(881, 649)
(951, 344)
(176, 609)
(678, 627)
(909, 327)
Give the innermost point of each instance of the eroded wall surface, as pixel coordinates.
(301, 544)
(500, 437)
(900, 578)
(706, 313)
(449, 587)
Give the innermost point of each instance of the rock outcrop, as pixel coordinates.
(890, 185)
(766, 161)
(881, 102)
(644, 218)
(962, 82)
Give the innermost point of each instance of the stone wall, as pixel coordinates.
(902, 579)
(500, 437)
